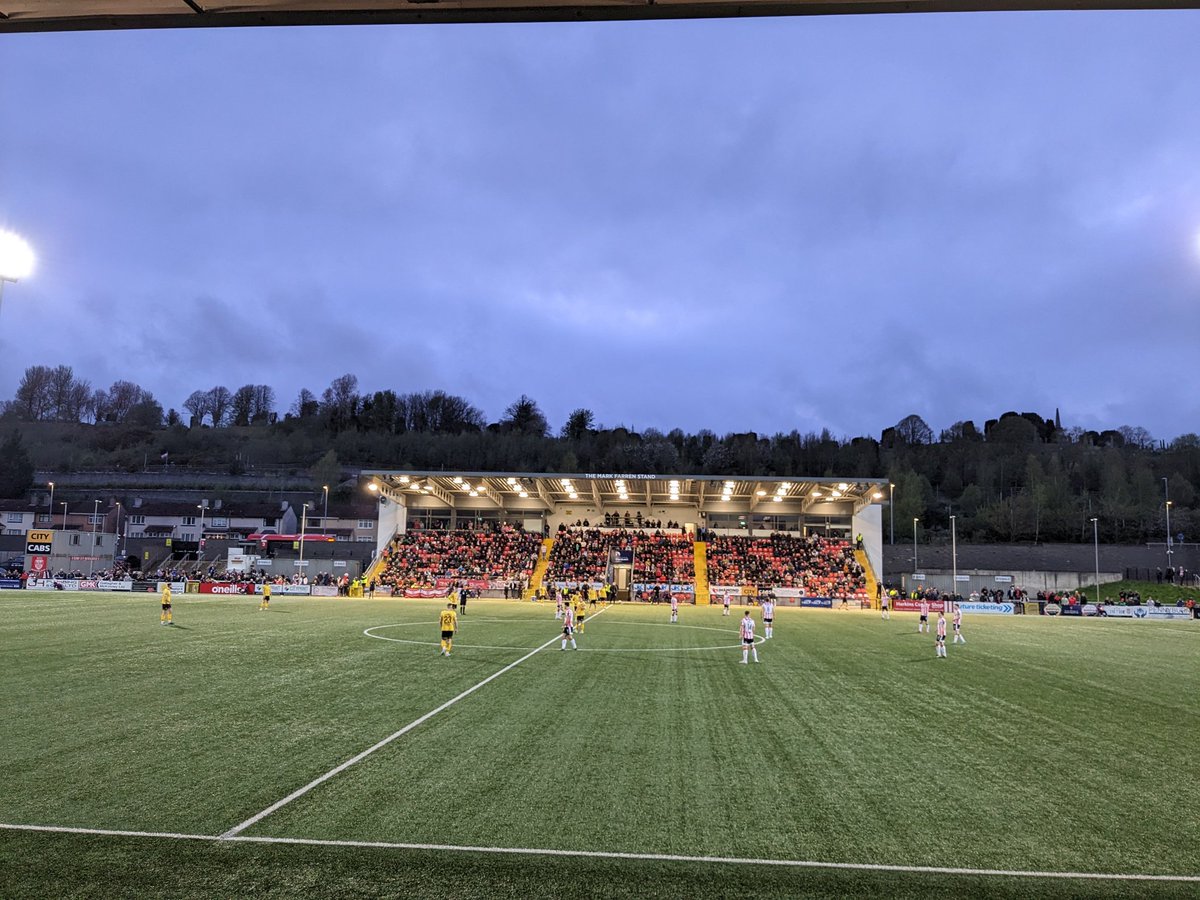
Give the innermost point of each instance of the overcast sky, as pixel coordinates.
(741, 225)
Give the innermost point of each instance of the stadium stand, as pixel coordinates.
(499, 554)
(663, 558)
(581, 554)
(823, 567)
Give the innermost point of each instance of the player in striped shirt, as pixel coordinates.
(725, 598)
(558, 603)
(674, 608)
(923, 623)
(568, 628)
(768, 613)
(958, 638)
(747, 632)
(941, 635)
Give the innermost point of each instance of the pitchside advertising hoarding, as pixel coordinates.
(902, 604)
(987, 609)
(1147, 612)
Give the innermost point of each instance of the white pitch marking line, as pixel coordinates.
(300, 792)
(606, 854)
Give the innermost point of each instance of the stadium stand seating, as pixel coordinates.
(419, 557)
(823, 567)
(663, 558)
(581, 554)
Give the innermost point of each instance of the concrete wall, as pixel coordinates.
(1138, 561)
(869, 523)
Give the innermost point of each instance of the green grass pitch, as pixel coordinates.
(1043, 744)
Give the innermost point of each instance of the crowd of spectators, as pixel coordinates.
(583, 554)
(822, 567)
(660, 558)
(494, 552)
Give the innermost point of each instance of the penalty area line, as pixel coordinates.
(605, 854)
(337, 770)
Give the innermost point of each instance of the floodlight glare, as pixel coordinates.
(16, 257)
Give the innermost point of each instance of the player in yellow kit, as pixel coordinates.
(165, 618)
(265, 603)
(580, 613)
(449, 624)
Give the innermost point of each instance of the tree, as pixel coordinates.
(115, 404)
(523, 416)
(578, 424)
(197, 404)
(913, 430)
(339, 403)
(242, 405)
(262, 408)
(1136, 436)
(451, 414)
(69, 397)
(305, 405)
(326, 471)
(33, 401)
(16, 468)
(219, 401)
(147, 413)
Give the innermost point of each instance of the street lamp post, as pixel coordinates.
(916, 521)
(1167, 497)
(303, 526)
(954, 554)
(64, 506)
(202, 506)
(16, 259)
(1096, 544)
(95, 520)
(891, 514)
(324, 526)
(51, 483)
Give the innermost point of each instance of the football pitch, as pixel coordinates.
(324, 748)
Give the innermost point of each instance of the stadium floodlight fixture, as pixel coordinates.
(372, 486)
(16, 259)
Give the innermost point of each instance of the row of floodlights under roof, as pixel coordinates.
(518, 488)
